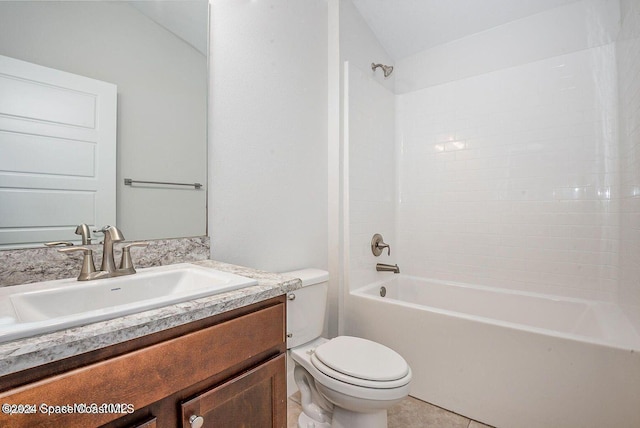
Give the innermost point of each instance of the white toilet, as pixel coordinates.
(345, 382)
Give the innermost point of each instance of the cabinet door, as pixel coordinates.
(149, 423)
(256, 398)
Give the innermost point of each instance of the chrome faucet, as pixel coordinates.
(85, 233)
(111, 234)
(108, 267)
(82, 230)
(382, 267)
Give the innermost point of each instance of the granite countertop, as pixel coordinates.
(30, 352)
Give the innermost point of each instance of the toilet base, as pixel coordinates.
(343, 418)
(305, 421)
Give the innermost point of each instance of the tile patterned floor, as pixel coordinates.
(410, 413)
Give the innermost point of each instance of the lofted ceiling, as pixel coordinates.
(405, 27)
(187, 19)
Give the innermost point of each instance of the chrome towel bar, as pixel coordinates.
(129, 182)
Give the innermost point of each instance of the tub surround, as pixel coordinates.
(44, 264)
(30, 352)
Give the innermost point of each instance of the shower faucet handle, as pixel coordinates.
(377, 245)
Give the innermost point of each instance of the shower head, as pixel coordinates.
(387, 69)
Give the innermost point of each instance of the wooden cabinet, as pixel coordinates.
(149, 423)
(250, 400)
(227, 369)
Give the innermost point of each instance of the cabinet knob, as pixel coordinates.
(291, 296)
(196, 421)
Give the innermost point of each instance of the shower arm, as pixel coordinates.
(386, 69)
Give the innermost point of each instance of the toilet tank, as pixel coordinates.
(306, 306)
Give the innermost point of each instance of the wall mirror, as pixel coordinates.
(155, 52)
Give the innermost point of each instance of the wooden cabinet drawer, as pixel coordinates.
(147, 375)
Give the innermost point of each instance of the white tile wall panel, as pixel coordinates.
(509, 178)
(628, 61)
(518, 168)
(372, 165)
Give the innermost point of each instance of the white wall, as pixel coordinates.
(368, 130)
(371, 180)
(359, 45)
(161, 104)
(268, 133)
(509, 170)
(506, 143)
(579, 25)
(628, 54)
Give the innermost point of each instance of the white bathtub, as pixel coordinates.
(506, 358)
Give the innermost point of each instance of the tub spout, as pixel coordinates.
(381, 267)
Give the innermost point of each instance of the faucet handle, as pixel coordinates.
(59, 244)
(87, 262)
(126, 264)
(377, 245)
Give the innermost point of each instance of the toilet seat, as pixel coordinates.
(351, 386)
(361, 362)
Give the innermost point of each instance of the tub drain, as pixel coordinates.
(383, 291)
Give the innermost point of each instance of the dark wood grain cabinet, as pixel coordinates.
(228, 370)
(148, 423)
(249, 400)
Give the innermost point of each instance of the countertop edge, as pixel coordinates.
(22, 354)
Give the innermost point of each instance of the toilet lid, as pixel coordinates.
(362, 359)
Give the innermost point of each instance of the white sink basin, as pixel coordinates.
(30, 309)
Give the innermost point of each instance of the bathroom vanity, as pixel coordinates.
(224, 367)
